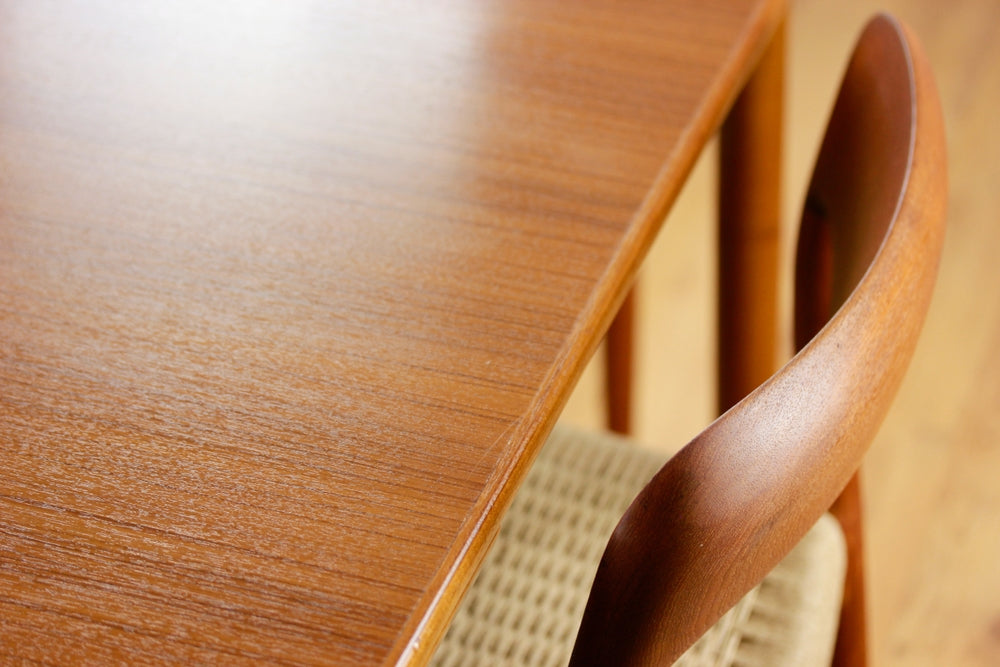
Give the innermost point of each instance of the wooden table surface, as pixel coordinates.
(291, 293)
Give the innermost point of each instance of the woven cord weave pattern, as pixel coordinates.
(526, 604)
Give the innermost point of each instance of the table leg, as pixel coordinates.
(851, 649)
(618, 364)
(749, 226)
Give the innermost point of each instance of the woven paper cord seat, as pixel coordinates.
(525, 606)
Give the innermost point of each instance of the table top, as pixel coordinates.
(291, 293)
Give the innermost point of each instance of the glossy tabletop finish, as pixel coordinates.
(291, 293)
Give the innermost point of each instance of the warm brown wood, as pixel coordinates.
(846, 198)
(932, 501)
(723, 512)
(749, 229)
(290, 295)
(619, 343)
(851, 649)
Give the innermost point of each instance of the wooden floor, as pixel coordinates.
(932, 479)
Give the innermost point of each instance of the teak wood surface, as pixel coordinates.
(291, 294)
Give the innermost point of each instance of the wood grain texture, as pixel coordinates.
(734, 501)
(749, 195)
(291, 294)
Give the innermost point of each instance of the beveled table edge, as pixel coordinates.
(423, 631)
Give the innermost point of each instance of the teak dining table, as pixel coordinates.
(291, 294)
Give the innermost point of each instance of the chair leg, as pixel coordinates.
(618, 362)
(852, 648)
(749, 228)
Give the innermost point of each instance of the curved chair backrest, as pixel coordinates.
(728, 507)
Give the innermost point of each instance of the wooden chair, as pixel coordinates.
(738, 517)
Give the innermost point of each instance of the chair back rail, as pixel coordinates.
(728, 507)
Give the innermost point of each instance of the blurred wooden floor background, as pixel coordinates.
(932, 478)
